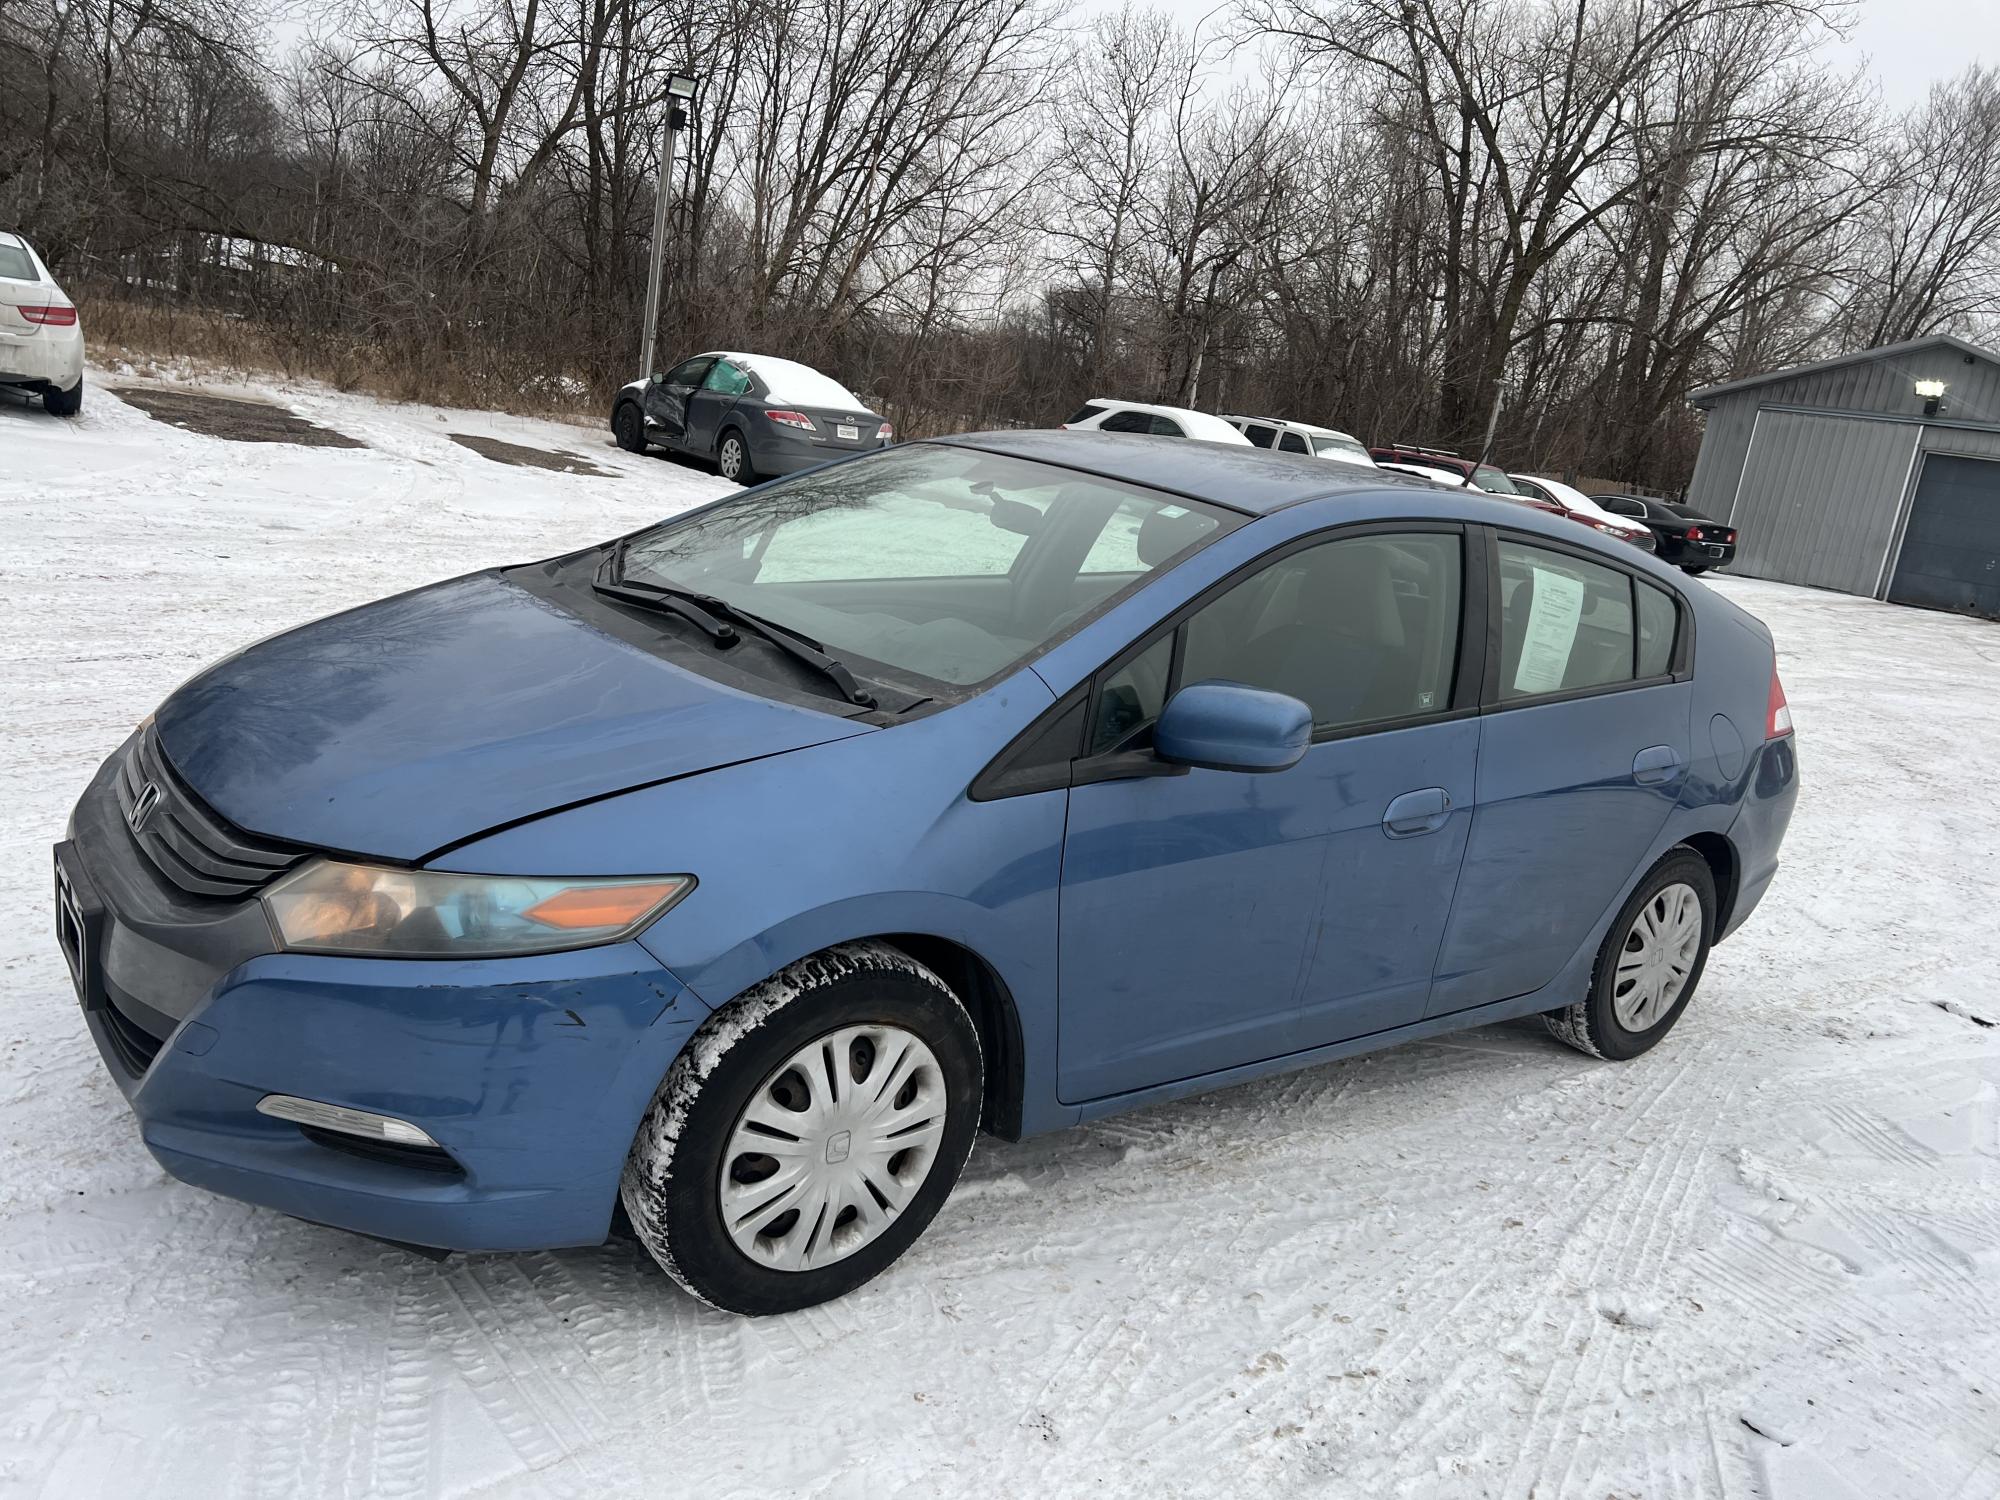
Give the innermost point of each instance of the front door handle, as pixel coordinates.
(1656, 764)
(1423, 811)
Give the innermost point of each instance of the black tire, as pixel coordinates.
(1591, 1025)
(734, 464)
(673, 1178)
(64, 403)
(628, 425)
(1692, 570)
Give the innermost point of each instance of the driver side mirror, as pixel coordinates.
(658, 377)
(1225, 726)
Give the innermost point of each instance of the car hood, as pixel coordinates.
(408, 725)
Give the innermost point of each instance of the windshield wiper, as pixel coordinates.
(712, 615)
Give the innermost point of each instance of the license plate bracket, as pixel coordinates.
(79, 920)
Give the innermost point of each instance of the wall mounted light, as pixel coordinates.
(1932, 392)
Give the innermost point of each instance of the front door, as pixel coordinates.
(1583, 753)
(1210, 919)
(667, 399)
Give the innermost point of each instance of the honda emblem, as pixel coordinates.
(142, 806)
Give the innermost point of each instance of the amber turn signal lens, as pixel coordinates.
(600, 906)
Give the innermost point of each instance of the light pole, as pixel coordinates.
(680, 95)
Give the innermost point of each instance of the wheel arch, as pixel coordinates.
(986, 996)
(1725, 865)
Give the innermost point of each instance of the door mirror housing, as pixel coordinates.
(1225, 726)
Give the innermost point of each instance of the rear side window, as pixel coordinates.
(1657, 620)
(1291, 442)
(1127, 421)
(1083, 413)
(1564, 623)
(726, 380)
(17, 264)
(1166, 427)
(1261, 436)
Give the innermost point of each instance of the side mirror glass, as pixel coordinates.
(1225, 726)
(657, 378)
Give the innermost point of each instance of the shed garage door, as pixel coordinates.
(1951, 552)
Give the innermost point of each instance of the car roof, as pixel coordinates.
(1237, 477)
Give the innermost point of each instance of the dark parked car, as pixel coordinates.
(1685, 537)
(752, 415)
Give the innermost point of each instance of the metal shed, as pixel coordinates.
(1834, 474)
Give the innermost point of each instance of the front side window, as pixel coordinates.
(1127, 421)
(943, 563)
(1565, 623)
(688, 372)
(1291, 442)
(1261, 435)
(1361, 629)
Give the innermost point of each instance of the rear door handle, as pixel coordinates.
(1422, 811)
(1656, 764)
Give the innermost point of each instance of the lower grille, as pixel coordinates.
(188, 842)
(133, 1046)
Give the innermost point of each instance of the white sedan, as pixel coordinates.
(41, 342)
(1102, 414)
(1580, 507)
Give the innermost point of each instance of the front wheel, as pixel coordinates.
(732, 459)
(808, 1132)
(628, 425)
(64, 403)
(1649, 964)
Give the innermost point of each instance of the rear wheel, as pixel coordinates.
(732, 458)
(808, 1133)
(1649, 965)
(1694, 570)
(64, 403)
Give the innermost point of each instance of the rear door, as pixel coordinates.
(1583, 752)
(667, 399)
(720, 389)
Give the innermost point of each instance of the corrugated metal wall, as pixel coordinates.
(1889, 386)
(1724, 441)
(1821, 499)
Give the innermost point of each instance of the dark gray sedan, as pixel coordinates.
(752, 415)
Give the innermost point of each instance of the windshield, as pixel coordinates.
(1494, 481)
(946, 563)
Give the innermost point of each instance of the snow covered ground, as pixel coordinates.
(1763, 1260)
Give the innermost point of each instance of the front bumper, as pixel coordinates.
(531, 1073)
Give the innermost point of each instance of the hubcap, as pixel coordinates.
(732, 459)
(1658, 957)
(832, 1147)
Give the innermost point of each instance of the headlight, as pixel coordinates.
(330, 907)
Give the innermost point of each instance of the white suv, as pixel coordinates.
(1303, 437)
(1102, 414)
(41, 342)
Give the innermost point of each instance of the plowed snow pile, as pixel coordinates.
(1763, 1260)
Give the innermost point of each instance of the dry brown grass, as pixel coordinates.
(183, 342)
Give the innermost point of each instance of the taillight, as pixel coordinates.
(796, 419)
(1694, 533)
(1778, 721)
(885, 432)
(1729, 536)
(51, 317)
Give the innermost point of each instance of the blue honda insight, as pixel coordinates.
(745, 868)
